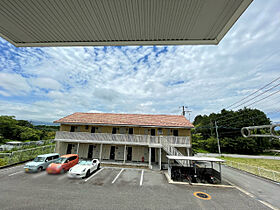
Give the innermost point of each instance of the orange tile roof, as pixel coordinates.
(126, 119)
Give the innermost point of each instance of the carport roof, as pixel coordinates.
(194, 158)
(117, 22)
(144, 120)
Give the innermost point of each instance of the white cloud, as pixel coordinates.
(46, 83)
(142, 80)
(13, 84)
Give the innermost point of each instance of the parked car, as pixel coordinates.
(84, 168)
(41, 162)
(63, 164)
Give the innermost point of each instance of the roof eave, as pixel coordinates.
(124, 125)
(115, 43)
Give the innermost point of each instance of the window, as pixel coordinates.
(93, 130)
(72, 158)
(130, 131)
(72, 128)
(159, 131)
(86, 127)
(56, 156)
(49, 158)
(114, 130)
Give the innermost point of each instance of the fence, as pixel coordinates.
(269, 174)
(23, 155)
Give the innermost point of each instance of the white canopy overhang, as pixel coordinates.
(195, 158)
(117, 22)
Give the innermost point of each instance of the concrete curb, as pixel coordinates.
(170, 181)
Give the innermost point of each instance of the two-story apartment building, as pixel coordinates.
(124, 138)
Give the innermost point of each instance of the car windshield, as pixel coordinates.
(85, 162)
(39, 159)
(60, 160)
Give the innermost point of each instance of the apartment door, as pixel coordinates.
(69, 149)
(112, 153)
(90, 150)
(129, 154)
(153, 155)
(153, 132)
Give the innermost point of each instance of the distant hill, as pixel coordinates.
(43, 123)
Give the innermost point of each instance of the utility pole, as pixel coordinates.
(184, 112)
(219, 149)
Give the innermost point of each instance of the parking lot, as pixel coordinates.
(112, 188)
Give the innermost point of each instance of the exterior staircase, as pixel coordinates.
(173, 151)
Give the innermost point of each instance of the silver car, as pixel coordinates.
(41, 162)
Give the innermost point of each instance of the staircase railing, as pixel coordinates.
(173, 151)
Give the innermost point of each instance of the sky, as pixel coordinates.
(45, 84)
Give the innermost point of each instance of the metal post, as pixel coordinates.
(78, 148)
(188, 152)
(159, 159)
(220, 168)
(219, 149)
(100, 152)
(150, 157)
(124, 154)
(169, 169)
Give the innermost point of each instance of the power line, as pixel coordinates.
(257, 96)
(252, 93)
(264, 98)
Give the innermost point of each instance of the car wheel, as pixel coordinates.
(98, 166)
(40, 168)
(62, 171)
(88, 174)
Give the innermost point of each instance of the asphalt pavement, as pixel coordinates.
(261, 188)
(112, 188)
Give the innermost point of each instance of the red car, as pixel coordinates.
(63, 164)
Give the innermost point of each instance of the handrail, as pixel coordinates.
(125, 138)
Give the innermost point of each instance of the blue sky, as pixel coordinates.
(46, 84)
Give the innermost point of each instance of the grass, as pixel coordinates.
(262, 163)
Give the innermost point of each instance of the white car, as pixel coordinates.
(84, 168)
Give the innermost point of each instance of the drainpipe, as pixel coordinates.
(124, 154)
(159, 158)
(100, 153)
(150, 157)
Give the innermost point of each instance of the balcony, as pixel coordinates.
(129, 139)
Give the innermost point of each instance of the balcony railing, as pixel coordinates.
(121, 138)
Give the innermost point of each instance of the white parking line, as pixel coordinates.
(142, 175)
(117, 176)
(39, 174)
(16, 173)
(93, 175)
(62, 176)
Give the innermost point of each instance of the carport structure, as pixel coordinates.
(34, 23)
(194, 170)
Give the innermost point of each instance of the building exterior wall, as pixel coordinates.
(125, 129)
(138, 152)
